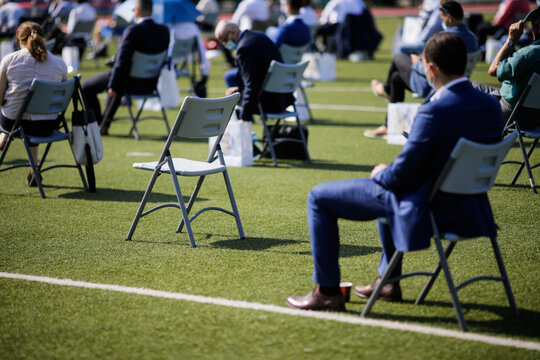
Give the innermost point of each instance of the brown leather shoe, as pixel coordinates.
(390, 292)
(316, 300)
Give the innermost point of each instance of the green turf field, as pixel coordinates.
(80, 236)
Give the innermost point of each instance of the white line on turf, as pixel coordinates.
(344, 318)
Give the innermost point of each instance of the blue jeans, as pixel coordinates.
(354, 199)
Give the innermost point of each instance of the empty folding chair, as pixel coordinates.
(293, 55)
(144, 67)
(526, 109)
(283, 79)
(198, 118)
(185, 57)
(44, 97)
(471, 169)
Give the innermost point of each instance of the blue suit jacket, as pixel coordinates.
(146, 37)
(461, 111)
(294, 33)
(254, 53)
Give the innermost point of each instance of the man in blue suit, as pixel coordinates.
(294, 31)
(254, 53)
(144, 36)
(400, 190)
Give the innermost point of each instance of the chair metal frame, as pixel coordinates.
(197, 118)
(144, 66)
(283, 79)
(44, 97)
(529, 99)
(293, 55)
(471, 169)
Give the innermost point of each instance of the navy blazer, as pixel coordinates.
(461, 111)
(254, 53)
(294, 33)
(146, 37)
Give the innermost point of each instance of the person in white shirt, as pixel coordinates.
(251, 12)
(10, 15)
(17, 70)
(334, 13)
(64, 32)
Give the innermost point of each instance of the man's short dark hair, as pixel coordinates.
(447, 51)
(295, 4)
(452, 8)
(145, 6)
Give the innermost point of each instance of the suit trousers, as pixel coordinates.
(398, 79)
(353, 199)
(94, 86)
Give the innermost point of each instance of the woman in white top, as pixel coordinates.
(17, 70)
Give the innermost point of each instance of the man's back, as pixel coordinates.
(294, 32)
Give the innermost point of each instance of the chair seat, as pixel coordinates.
(185, 167)
(532, 133)
(56, 135)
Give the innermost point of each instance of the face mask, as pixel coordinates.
(445, 27)
(231, 46)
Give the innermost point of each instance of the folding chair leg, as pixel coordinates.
(310, 114)
(35, 167)
(165, 118)
(191, 201)
(433, 277)
(525, 163)
(135, 119)
(140, 210)
(398, 255)
(185, 215)
(268, 139)
(504, 276)
(233, 205)
(451, 286)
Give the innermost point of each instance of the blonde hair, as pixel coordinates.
(31, 35)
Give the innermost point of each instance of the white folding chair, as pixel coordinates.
(471, 169)
(281, 79)
(145, 66)
(293, 55)
(185, 58)
(527, 108)
(472, 59)
(44, 97)
(198, 118)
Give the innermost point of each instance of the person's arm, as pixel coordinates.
(122, 63)
(3, 87)
(514, 33)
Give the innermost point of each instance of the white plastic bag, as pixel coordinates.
(492, 48)
(400, 118)
(70, 55)
(321, 67)
(85, 141)
(236, 143)
(168, 88)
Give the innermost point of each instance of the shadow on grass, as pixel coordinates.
(506, 323)
(264, 244)
(314, 165)
(120, 195)
(329, 122)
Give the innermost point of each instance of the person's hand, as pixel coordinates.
(377, 169)
(415, 58)
(112, 92)
(515, 31)
(231, 90)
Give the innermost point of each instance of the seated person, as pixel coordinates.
(505, 16)
(252, 15)
(10, 15)
(17, 70)
(308, 15)
(400, 191)
(294, 31)
(432, 26)
(514, 69)
(254, 53)
(209, 13)
(407, 71)
(64, 32)
(57, 12)
(333, 15)
(144, 36)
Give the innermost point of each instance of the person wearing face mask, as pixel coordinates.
(254, 53)
(407, 71)
(400, 191)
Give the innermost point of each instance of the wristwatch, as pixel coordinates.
(510, 44)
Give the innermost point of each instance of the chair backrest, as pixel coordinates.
(472, 167)
(283, 78)
(292, 54)
(48, 97)
(146, 66)
(84, 27)
(472, 59)
(204, 118)
(530, 100)
(182, 48)
(532, 93)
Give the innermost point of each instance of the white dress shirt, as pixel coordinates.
(336, 10)
(187, 30)
(249, 10)
(83, 12)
